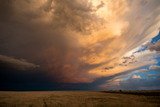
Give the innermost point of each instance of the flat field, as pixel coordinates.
(80, 99)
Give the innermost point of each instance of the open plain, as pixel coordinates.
(80, 99)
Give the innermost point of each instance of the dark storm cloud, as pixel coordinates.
(19, 74)
(37, 31)
(19, 64)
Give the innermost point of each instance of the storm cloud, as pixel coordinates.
(74, 41)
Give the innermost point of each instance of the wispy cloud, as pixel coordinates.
(154, 67)
(136, 77)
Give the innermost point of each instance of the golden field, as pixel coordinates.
(79, 99)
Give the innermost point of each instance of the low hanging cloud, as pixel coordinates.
(16, 64)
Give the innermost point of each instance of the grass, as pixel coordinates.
(80, 99)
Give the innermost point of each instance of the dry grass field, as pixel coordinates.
(79, 99)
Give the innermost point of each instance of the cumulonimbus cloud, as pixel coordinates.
(74, 40)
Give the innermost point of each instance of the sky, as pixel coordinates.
(79, 44)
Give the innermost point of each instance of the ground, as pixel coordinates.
(79, 99)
